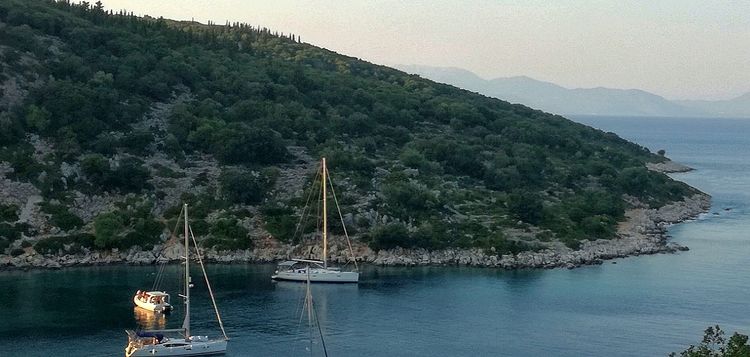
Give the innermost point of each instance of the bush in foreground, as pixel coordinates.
(714, 344)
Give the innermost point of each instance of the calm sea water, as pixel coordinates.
(643, 306)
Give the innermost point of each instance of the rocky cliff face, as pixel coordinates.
(644, 232)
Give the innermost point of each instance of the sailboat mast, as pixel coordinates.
(325, 217)
(186, 322)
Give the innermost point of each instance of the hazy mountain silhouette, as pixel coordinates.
(553, 98)
(737, 107)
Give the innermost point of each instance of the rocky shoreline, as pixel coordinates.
(643, 232)
(668, 167)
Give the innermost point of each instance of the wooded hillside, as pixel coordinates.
(113, 120)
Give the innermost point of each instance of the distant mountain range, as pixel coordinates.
(553, 98)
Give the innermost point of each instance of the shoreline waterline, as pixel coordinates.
(644, 232)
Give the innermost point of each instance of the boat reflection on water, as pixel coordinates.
(149, 320)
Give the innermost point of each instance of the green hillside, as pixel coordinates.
(109, 107)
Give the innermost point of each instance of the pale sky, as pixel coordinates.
(679, 49)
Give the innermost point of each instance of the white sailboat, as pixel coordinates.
(156, 342)
(318, 270)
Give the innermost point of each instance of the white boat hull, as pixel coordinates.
(318, 275)
(151, 307)
(179, 348)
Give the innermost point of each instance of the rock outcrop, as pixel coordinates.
(668, 167)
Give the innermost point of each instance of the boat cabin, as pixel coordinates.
(299, 265)
(312, 270)
(153, 297)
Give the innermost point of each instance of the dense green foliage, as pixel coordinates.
(8, 213)
(227, 234)
(70, 244)
(61, 217)
(10, 231)
(459, 167)
(281, 222)
(131, 224)
(714, 344)
(128, 176)
(246, 187)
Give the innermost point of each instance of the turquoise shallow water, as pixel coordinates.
(643, 306)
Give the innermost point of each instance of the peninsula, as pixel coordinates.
(111, 121)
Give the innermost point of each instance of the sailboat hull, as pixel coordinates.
(318, 275)
(179, 348)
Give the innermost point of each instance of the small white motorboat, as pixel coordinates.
(156, 301)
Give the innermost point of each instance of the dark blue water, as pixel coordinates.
(643, 306)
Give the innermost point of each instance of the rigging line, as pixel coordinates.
(306, 213)
(208, 284)
(305, 304)
(301, 309)
(319, 208)
(318, 221)
(320, 330)
(160, 275)
(309, 305)
(171, 234)
(304, 210)
(181, 277)
(348, 242)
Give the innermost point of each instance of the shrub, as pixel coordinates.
(8, 213)
(145, 233)
(61, 217)
(130, 175)
(70, 244)
(10, 232)
(107, 227)
(227, 234)
(137, 142)
(281, 222)
(24, 165)
(714, 344)
(245, 187)
(37, 118)
(430, 235)
(526, 206)
(390, 236)
(95, 167)
(240, 144)
(599, 227)
(409, 199)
